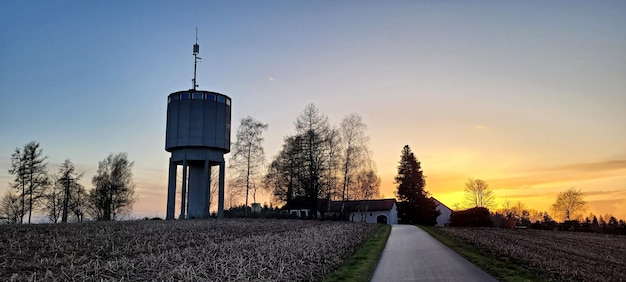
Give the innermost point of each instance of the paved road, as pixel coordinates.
(413, 255)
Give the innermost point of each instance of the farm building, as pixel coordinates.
(372, 211)
(299, 207)
(446, 212)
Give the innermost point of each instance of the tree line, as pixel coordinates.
(60, 196)
(566, 213)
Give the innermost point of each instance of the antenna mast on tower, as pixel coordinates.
(196, 51)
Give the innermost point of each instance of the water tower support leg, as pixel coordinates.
(171, 192)
(220, 202)
(183, 192)
(206, 184)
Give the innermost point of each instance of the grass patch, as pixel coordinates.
(362, 264)
(503, 271)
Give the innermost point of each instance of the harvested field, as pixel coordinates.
(200, 250)
(554, 255)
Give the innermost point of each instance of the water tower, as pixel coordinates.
(198, 135)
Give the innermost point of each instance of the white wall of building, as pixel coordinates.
(444, 217)
(372, 216)
(393, 219)
(302, 213)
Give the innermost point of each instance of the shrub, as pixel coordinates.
(474, 217)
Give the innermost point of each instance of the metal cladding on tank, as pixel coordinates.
(198, 118)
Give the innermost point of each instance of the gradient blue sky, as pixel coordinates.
(529, 96)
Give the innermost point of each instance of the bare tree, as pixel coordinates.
(214, 186)
(248, 156)
(52, 204)
(569, 204)
(277, 179)
(478, 194)
(79, 201)
(456, 206)
(515, 210)
(313, 129)
(10, 208)
(284, 172)
(320, 161)
(521, 213)
(113, 193)
(303, 166)
(333, 140)
(66, 194)
(367, 185)
(18, 168)
(233, 195)
(31, 176)
(535, 215)
(354, 148)
(508, 209)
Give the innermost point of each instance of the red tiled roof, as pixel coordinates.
(302, 203)
(348, 206)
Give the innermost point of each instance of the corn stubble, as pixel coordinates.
(208, 250)
(556, 255)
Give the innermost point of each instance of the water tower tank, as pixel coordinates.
(198, 119)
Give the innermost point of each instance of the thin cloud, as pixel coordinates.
(614, 206)
(595, 166)
(150, 191)
(445, 182)
(566, 173)
(480, 127)
(604, 193)
(618, 194)
(271, 78)
(528, 196)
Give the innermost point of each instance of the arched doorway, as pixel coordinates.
(381, 219)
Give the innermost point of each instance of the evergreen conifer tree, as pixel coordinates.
(415, 206)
